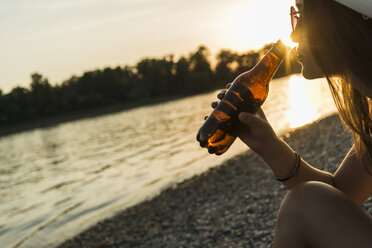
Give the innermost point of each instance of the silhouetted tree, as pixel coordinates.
(42, 95)
(17, 106)
(200, 77)
(246, 61)
(155, 76)
(182, 73)
(150, 78)
(226, 66)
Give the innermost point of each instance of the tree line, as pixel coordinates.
(150, 78)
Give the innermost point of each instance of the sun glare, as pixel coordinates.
(252, 24)
(288, 42)
(301, 109)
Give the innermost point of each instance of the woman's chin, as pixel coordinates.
(309, 76)
(311, 73)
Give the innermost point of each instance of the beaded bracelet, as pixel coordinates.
(298, 162)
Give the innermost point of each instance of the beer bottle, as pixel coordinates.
(246, 94)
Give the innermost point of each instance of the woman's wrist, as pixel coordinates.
(293, 172)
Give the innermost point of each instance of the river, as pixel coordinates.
(57, 181)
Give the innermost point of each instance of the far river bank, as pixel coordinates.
(79, 115)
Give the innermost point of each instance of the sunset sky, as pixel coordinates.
(60, 38)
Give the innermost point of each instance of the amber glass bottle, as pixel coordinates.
(246, 94)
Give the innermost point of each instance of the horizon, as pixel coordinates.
(67, 38)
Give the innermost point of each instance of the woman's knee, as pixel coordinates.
(293, 215)
(308, 198)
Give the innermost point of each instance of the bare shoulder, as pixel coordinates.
(353, 178)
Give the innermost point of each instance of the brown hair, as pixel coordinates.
(340, 40)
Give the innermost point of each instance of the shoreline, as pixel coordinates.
(234, 204)
(79, 115)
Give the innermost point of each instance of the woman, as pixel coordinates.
(321, 209)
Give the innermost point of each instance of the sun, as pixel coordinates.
(251, 24)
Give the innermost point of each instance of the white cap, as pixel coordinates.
(362, 6)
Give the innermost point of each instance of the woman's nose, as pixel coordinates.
(295, 36)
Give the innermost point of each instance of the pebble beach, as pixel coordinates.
(232, 205)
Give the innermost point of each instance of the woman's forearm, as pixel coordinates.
(282, 161)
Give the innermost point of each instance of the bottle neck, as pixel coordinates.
(266, 68)
(279, 49)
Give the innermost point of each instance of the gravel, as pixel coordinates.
(232, 205)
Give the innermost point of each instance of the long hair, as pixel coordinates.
(340, 40)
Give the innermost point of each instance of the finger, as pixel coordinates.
(221, 95)
(228, 85)
(214, 104)
(205, 117)
(261, 114)
(251, 120)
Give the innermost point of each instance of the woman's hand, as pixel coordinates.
(254, 129)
